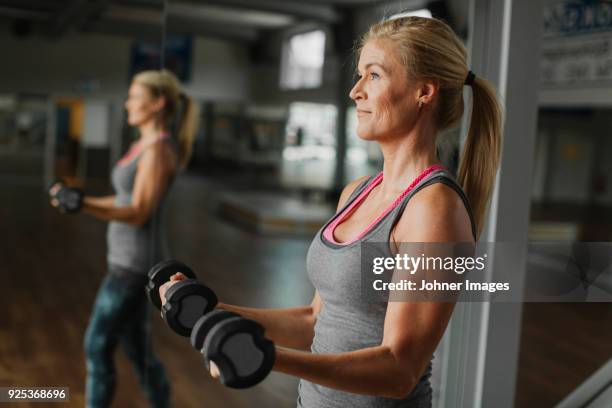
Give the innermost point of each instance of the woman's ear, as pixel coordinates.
(160, 104)
(427, 91)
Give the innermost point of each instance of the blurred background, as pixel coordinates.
(275, 145)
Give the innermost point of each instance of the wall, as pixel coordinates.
(220, 70)
(68, 65)
(44, 66)
(40, 65)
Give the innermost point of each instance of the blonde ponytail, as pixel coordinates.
(481, 150)
(187, 129)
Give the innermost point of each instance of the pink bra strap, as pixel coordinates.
(138, 147)
(328, 232)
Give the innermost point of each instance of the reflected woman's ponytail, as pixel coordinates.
(165, 84)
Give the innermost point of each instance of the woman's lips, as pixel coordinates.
(361, 112)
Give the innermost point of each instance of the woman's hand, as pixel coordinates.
(177, 277)
(214, 370)
(164, 288)
(55, 188)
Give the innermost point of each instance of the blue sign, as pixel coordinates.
(177, 56)
(577, 17)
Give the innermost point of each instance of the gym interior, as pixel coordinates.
(275, 145)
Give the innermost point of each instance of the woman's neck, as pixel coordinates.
(149, 131)
(406, 157)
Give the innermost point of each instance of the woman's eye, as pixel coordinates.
(374, 75)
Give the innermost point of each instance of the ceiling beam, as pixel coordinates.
(150, 30)
(77, 14)
(20, 13)
(136, 30)
(210, 29)
(344, 3)
(318, 12)
(40, 5)
(182, 24)
(230, 16)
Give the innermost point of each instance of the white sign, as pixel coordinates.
(577, 44)
(96, 126)
(581, 60)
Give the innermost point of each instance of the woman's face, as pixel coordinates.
(386, 103)
(141, 106)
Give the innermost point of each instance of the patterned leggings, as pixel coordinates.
(120, 315)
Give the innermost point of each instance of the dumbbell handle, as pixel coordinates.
(160, 273)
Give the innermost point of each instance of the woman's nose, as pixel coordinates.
(356, 92)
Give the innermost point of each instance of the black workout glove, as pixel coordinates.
(66, 199)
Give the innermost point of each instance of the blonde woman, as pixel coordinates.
(348, 352)
(135, 237)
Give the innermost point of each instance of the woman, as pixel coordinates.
(357, 354)
(135, 238)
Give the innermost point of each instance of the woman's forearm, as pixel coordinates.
(102, 201)
(104, 208)
(369, 371)
(290, 327)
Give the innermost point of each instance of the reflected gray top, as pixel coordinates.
(137, 248)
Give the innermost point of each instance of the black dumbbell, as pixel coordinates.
(70, 200)
(236, 345)
(186, 300)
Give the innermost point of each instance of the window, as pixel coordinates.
(302, 61)
(417, 13)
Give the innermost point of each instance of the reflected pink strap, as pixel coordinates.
(328, 233)
(138, 147)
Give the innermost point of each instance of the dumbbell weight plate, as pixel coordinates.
(160, 274)
(186, 302)
(240, 351)
(70, 199)
(204, 324)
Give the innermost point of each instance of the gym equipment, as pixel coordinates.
(236, 345)
(70, 200)
(186, 300)
(594, 392)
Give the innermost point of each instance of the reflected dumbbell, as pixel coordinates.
(66, 199)
(236, 345)
(186, 300)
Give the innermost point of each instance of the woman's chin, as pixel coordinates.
(366, 134)
(133, 121)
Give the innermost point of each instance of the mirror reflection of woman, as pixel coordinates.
(136, 238)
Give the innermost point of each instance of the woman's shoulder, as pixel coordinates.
(160, 152)
(436, 213)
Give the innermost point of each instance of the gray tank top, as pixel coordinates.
(346, 322)
(136, 248)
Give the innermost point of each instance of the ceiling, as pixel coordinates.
(240, 20)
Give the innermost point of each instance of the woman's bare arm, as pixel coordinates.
(155, 168)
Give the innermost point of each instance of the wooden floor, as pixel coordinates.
(561, 345)
(53, 264)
